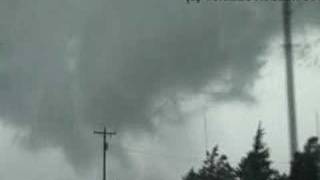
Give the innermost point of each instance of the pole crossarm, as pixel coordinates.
(103, 132)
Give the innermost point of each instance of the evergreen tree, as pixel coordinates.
(216, 167)
(306, 164)
(279, 176)
(191, 175)
(256, 165)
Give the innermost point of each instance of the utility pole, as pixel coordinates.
(286, 9)
(105, 148)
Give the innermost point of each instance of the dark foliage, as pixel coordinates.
(215, 167)
(306, 164)
(256, 165)
(192, 175)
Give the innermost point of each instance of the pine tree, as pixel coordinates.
(256, 165)
(306, 164)
(215, 167)
(191, 175)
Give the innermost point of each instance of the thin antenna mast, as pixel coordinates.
(205, 132)
(317, 124)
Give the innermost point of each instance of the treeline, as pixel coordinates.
(256, 164)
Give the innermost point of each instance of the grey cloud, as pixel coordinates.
(68, 65)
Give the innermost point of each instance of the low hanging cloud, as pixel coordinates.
(68, 65)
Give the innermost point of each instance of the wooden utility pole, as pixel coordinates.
(286, 9)
(105, 148)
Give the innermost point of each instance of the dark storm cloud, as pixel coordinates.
(67, 65)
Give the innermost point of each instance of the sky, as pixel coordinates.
(154, 71)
